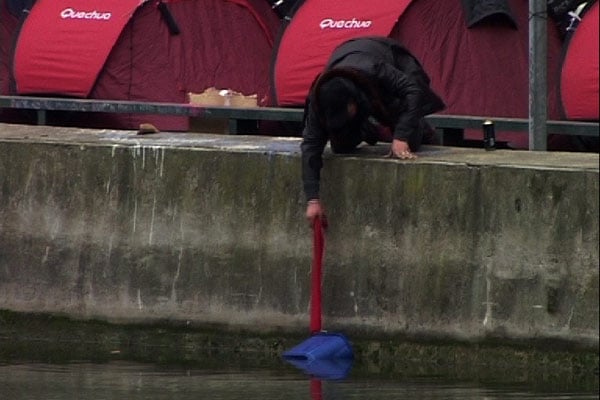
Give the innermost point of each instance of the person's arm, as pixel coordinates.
(312, 146)
(407, 123)
(409, 92)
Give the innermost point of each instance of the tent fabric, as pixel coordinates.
(483, 70)
(257, 16)
(579, 87)
(9, 26)
(63, 44)
(222, 43)
(10, 22)
(316, 28)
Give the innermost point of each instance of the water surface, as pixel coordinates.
(132, 381)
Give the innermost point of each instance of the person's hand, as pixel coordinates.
(400, 149)
(315, 210)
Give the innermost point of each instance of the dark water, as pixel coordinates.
(127, 380)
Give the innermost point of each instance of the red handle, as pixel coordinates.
(316, 271)
(316, 389)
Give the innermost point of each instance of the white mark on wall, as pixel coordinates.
(139, 299)
(45, 256)
(108, 255)
(571, 313)
(355, 302)
(260, 289)
(487, 320)
(370, 231)
(243, 147)
(259, 295)
(143, 158)
(108, 187)
(137, 149)
(90, 295)
(30, 174)
(174, 216)
(159, 152)
(178, 271)
(159, 155)
(176, 277)
(55, 228)
(134, 214)
(151, 234)
(162, 162)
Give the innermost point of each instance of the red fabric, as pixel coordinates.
(316, 28)
(579, 75)
(316, 389)
(482, 71)
(8, 25)
(256, 15)
(63, 44)
(316, 274)
(223, 43)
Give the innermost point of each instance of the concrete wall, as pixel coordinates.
(461, 244)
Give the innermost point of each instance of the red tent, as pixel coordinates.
(579, 70)
(316, 28)
(63, 44)
(478, 61)
(137, 50)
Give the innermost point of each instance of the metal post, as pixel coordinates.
(41, 117)
(538, 90)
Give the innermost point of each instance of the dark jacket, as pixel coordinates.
(396, 90)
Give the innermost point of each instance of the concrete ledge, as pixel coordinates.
(461, 244)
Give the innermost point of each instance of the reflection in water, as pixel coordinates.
(132, 381)
(335, 369)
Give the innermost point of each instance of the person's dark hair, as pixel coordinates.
(333, 98)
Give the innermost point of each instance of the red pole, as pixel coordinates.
(316, 389)
(316, 271)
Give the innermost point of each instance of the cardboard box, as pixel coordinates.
(217, 97)
(222, 97)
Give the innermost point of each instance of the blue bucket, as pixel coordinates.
(321, 346)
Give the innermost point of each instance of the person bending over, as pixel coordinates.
(371, 88)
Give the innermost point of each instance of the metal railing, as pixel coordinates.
(447, 124)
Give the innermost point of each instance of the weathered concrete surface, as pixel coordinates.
(461, 244)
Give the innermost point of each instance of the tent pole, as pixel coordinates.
(538, 85)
